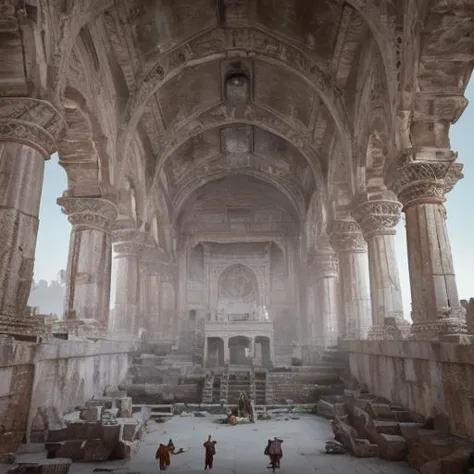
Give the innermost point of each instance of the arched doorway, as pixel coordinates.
(215, 352)
(239, 351)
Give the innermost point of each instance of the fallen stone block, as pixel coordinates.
(386, 426)
(393, 447)
(91, 414)
(96, 450)
(363, 448)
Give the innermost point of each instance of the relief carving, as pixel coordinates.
(34, 122)
(346, 236)
(89, 213)
(377, 217)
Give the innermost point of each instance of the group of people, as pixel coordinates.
(164, 452)
(273, 450)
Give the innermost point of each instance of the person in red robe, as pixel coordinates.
(210, 450)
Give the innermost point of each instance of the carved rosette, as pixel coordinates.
(32, 122)
(89, 213)
(346, 236)
(426, 180)
(377, 217)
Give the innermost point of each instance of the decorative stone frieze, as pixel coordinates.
(89, 213)
(32, 122)
(377, 217)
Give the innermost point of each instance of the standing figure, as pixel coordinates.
(275, 452)
(163, 454)
(210, 450)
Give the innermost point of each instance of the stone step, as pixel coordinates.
(387, 427)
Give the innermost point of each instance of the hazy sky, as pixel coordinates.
(53, 237)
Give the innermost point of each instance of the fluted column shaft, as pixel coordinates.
(128, 245)
(421, 181)
(327, 270)
(378, 220)
(90, 258)
(349, 243)
(28, 128)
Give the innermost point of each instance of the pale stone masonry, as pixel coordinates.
(239, 167)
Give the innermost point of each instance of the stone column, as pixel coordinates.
(378, 220)
(151, 282)
(128, 245)
(90, 258)
(348, 241)
(28, 128)
(206, 349)
(421, 180)
(327, 271)
(226, 350)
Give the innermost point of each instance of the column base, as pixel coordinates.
(25, 327)
(441, 329)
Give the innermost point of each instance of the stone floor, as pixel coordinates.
(240, 449)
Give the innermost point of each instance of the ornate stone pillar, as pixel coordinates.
(28, 128)
(90, 258)
(378, 220)
(348, 241)
(421, 179)
(128, 245)
(326, 266)
(226, 350)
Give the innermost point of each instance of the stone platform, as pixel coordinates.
(240, 449)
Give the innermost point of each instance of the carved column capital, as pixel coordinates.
(346, 236)
(129, 241)
(325, 265)
(32, 122)
(424, 176)
(89, 213)
(378, 217)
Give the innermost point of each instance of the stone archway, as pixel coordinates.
(237, 292)
(239, 350)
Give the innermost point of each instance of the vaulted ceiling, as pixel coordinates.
(233, 87)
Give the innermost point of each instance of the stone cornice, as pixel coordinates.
(424, 176)
(89, 213)
(347, 237)
(378, 217)
(32, 122)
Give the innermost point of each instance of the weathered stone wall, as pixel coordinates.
(40, 382)
(429, 378)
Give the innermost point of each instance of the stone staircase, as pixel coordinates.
(239, 381)
(370, 426)
(224, 388)
(208, 389)
(216, 388)
(260, 380)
